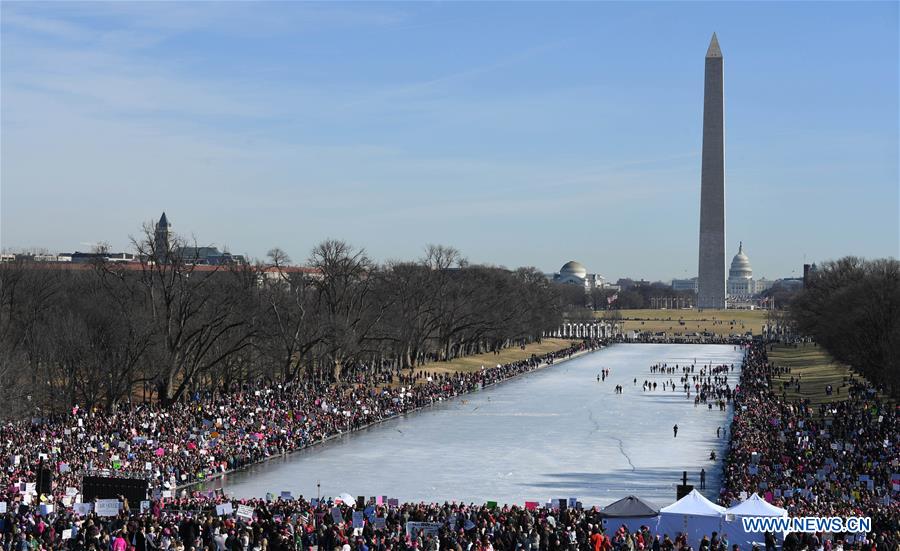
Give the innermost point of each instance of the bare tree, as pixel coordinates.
(290, 327)
(198, 314)
(347, 313)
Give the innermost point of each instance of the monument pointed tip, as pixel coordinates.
(714, 50)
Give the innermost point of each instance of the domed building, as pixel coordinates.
(741, 284)
(574, 273)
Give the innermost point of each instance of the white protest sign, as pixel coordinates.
(107, 507)
(67, 534)
(414, 528)
(145, 506)
(245, 512)
(224, 509)
(2, 506)
(84, 509)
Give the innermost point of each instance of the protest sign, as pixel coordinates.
(224, 509)
(67, 534)
(2, 507)
(84, 508)
(245, 512)
(107, 507)
(358, 519)
(336, 515)
(428, 528)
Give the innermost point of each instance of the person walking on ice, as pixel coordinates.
(675, 431)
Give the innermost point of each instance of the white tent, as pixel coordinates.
(694, 515)
(754, 506)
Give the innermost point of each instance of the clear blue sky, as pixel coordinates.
(520, 133)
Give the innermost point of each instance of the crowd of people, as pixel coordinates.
(194, 523)
(838, 458)
(207, 435)
(835, 459)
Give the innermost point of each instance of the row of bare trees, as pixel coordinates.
(108, 333)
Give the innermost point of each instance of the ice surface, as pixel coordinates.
(555, 433)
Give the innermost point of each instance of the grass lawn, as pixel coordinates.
(474, 363)
(814, 367)
(720, 322)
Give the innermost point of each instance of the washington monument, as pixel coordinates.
(711, 276)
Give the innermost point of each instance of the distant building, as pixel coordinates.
(741, 284)
(76, 257)
(790, 283)
(808, 271)
(189, 255)
(161, 235)
(209, 255)
(685, 284)
(81, 258)
(574, 273)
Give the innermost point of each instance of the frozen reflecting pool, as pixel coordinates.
(554, 433)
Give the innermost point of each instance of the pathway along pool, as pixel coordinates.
(554, 433)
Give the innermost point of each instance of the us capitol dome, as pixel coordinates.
(741, 284)
(740, 266)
